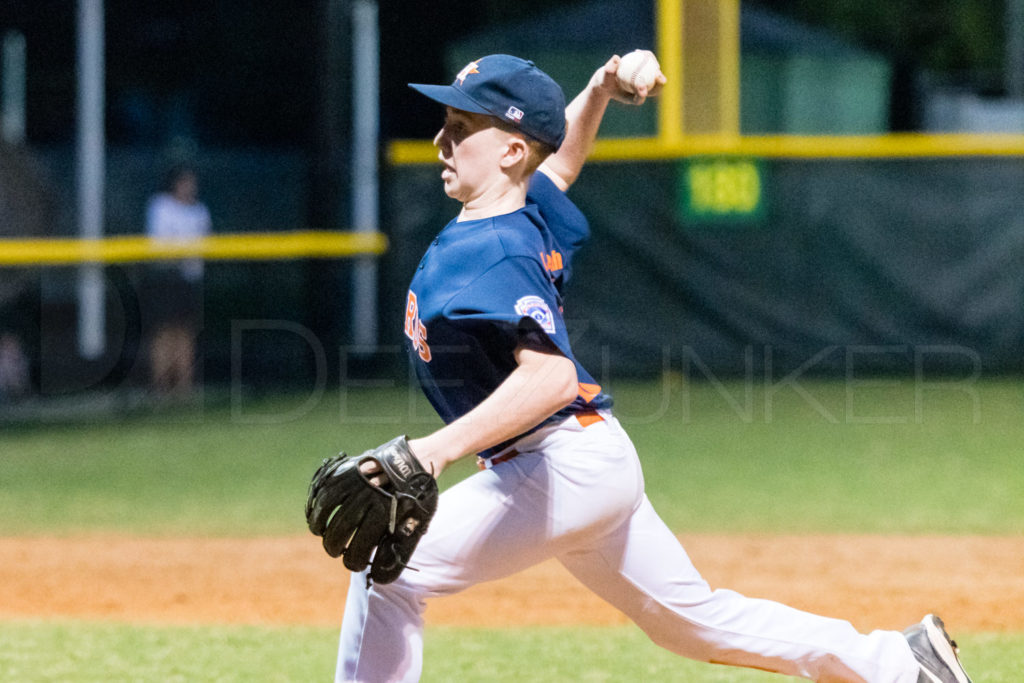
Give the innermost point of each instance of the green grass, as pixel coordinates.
(88, 652)
(861, 458)
(95, 652)
(812, 456)
(819, 456)
(227, 470)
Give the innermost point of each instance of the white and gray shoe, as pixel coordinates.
(936, 652)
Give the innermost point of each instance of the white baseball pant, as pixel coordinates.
(576, 493)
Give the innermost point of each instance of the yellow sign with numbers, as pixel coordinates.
(722, 189)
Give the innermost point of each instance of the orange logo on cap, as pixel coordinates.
(471, 68)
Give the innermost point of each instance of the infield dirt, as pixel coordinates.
(873, 581)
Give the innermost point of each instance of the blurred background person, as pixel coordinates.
(28, 209)
(173, 289)
(14, 368)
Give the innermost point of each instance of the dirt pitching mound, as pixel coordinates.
(874, 581)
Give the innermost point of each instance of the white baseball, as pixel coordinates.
(639, 67)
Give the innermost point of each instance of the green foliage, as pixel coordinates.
(91, 652)
(943, 35)
(890, 456)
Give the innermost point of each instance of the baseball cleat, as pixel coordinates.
(936, 652)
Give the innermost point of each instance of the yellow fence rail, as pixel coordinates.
(894, 145)
(226, 247)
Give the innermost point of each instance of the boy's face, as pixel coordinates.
(471, 148)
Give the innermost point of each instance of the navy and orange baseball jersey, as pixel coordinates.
(482, 288)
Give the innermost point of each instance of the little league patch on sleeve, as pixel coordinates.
(536, 308)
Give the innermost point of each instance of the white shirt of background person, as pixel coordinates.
(177, 216)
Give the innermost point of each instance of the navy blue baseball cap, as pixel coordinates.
(508, 88)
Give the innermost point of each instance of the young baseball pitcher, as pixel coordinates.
(558, 475)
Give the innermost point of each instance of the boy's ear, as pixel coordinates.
(516, 150)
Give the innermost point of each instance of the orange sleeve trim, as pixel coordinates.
(589, 391)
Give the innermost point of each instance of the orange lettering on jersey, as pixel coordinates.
(411, 310)
(552, 261)
(414, 329)
(589, 391)
(421, 343)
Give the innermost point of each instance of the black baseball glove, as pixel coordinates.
(383, 507)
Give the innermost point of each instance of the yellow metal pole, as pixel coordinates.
(729, 66)
(670, 53)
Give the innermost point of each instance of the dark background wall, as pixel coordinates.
(879, 257)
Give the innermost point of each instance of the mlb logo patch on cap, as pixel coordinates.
(514, 114)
